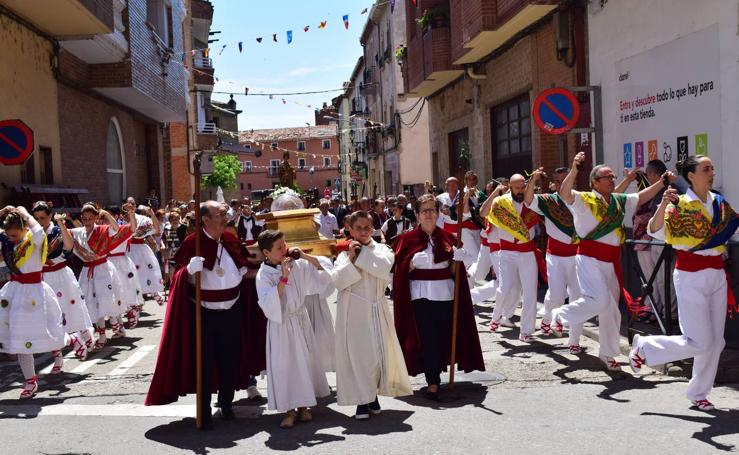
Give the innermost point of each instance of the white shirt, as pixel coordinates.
(446, 200)
(442, 290)
(508, 237)
(708, 205)
(398, 223)
(209, 279)
(552, 229)
(328, 225)
(585, 222)
(248, 224)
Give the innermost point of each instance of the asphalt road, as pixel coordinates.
(534, 398)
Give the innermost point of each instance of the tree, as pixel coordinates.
(226, 169)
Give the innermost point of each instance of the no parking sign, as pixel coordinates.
(556, 110)
(16, 142)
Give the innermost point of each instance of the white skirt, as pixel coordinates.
(323, 330)
(130, 287)
(74, 311)
(101, 292)
(30, 319)
(147, 266)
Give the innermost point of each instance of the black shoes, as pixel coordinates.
(363, 412)
(227, 413)
(374, 407)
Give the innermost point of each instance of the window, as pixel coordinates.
(274, 146)
(47, 166)
(159, 17)
(326, 144)
(274, 166)
(512, 123)
(301, 163)
(28, 171)
(114, 163)
(246, 166)
(301, 146)
(326, 161)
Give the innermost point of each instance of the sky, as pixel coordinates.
(319, 59)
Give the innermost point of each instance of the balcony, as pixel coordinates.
(486, 38)
(203, 77)
(102, 48)
(429, 61)
(203, 62)
(202, 9)
(206, 128)
(66, 18)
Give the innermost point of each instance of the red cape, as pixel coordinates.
(174, 375)
(469, 353)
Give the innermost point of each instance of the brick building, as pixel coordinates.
(480, 64)
(311, 148)
(119, 83)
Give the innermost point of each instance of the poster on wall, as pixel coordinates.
(669, 101)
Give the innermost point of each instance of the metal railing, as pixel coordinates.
(206, 128)
(203, 62)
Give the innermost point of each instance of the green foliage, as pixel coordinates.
(226, 169)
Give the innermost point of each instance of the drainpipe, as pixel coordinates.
(475, 76)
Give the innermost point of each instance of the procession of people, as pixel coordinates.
(266, 305)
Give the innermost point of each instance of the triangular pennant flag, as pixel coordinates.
(392, 5)
(259, 40)
(289, 36)
(322, 24)
(222, 49)
(345, 18)
(241, 46)
(284, 101)
(414, 2)
(193, 52)
(306, 28)
(271, 97)
(364, 11)
(246, 91)
(206, 52)
(274, 37)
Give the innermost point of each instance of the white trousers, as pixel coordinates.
(600, 296)
(647, 261)
(518, 275)
(562, 279)
(702, 300)
(481, 267)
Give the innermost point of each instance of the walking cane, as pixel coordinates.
(458, 269)
(198, 313)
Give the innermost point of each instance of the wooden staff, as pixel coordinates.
(198, 312)
(458, 269)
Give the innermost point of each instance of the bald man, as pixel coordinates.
(516, 224)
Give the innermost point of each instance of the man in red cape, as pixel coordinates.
(174, 375)
(469, 353)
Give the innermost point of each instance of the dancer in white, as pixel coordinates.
(129, 291)
(369, 360)
(561, 251)
(598, 216)
(61, 279)
(697, 224)
(30, 316)
(294, 375)
(147, 265)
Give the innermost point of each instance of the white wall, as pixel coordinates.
(625, 28)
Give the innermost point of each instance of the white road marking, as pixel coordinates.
(133, 360)
(109, 410)
(86, 365)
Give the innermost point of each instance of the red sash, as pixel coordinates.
(691, 262)
(54, 267)
(115, 255)
(249, 242)
(466, 224)
(219, 295)
(484, 241)
(431, 274)
(561, 249)
(609, 253)
(92, 265)
(527, 247)
(137, 241)
(26, 278)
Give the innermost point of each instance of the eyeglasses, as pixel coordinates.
(608, 177)
(427, 211)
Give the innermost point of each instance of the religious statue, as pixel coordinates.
(287, 173)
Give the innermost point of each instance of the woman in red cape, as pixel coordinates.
(174, 375)
(406, 246)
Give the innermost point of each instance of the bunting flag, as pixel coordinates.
(322, 24)
(414, 2)
(222, 49)
(284, 101)
(246, 91)
(306, 28)
(274, 37)
(241, 46)
(392, 5)
(259, 40)
(364, 11)
(345, 18)
(206, 52)
(271, 97)
(289, 36)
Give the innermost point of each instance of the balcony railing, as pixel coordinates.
(203, 62)
(274, 171)
(206, 128)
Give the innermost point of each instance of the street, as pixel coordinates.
(533, 398)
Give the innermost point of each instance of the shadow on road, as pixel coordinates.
(717, 423)
(464, 393)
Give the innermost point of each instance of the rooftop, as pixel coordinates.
(284, 134)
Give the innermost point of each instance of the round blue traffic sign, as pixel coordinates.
(16, 142)
(556, 110)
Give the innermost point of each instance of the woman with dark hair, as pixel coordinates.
(61, 279)
(30, 316)
(697, 224)
(423, 304)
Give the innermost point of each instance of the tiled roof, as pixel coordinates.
(281, 134)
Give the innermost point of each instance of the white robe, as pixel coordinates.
(369, 361)
(294, 374)
(323, 326)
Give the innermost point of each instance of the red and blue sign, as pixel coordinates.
(16, 142)
(556, 110)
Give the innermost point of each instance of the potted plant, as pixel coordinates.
(423, 21)
(400, 52)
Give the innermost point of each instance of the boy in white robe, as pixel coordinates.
(294, 374)
(369, 360)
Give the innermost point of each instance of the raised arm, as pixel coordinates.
(658, 219)
(66, 235)
(647, 194)
(565, 191)
(112, 223)
(154, 222)
(131, 213)
(534, 180)
(623, 185)
(488, 204)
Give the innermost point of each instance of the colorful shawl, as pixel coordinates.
(16, 256)
(610, 217)
(98, 244)
(505, 216)
(124, 233)
(556, 211)
(688, 224)
(55, 242)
